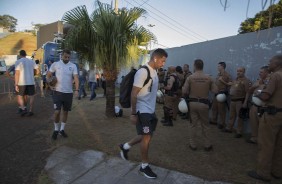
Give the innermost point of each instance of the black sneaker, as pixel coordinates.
(123, 152)
(30, 114)
(210, 148)
(225, 130)
(55, 135)
(220, 126)
(255, 175)
(62, 133)
(19, 111)
(147, 172)
(24, 112)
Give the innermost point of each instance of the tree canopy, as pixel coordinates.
(108, 39)
(272, 17)
(9, 22)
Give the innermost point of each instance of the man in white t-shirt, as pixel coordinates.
(66, 72)
(24, 82)
(92, 81)
(143, 103)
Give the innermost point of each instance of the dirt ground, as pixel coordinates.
(25, 143)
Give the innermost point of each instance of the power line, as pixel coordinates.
(165, 23)
(169, 23)
(176, 21)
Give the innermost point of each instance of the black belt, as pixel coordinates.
(271, 110)
(200, 100)
(238, 99)
(255, 104)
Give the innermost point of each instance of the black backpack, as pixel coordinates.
(126, 87)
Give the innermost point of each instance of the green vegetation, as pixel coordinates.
(272, 17)
(9, 22)
(108, 39)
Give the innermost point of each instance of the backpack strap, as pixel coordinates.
(148, 76)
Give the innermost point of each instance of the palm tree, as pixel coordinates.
(110, 40)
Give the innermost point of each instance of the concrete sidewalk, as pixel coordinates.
(67, 165)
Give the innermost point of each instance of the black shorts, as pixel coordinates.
(146, 124)
(26, 90)
(62, 99)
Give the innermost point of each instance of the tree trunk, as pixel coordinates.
(110, 98)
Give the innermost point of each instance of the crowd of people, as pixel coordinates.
(259, 100)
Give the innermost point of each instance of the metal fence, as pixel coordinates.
(7, 86)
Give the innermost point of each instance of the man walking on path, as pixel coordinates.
(143, 103)
(63, 93)
(24, 82)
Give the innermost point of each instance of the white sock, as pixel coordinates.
(62, 126)
(126, 146)
(57, 126)
(143, 165)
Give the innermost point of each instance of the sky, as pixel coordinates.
(174, 22)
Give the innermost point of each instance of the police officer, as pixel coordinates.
(222, 80)
(238, 95)
(197, 86)
(186, 74)
(180, 75)
(171, 97)
(256, 87)
(269, 162)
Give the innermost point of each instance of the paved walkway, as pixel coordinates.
(67, 165)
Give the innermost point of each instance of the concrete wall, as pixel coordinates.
(251, 50)
(46, 32)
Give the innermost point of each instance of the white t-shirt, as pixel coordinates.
(44, 70)
(64, 73)
(146, 100)
(92, 76)
(26, 68)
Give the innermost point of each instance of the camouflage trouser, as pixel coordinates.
(171, 102)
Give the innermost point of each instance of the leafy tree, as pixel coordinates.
(108, 39)
(272, 17)
(8, 22)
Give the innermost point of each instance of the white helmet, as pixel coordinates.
(117, 109)
(160, 94)
(182, 106)
(257, 101)
(221, 97)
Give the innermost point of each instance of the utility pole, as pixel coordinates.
(116, 6)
